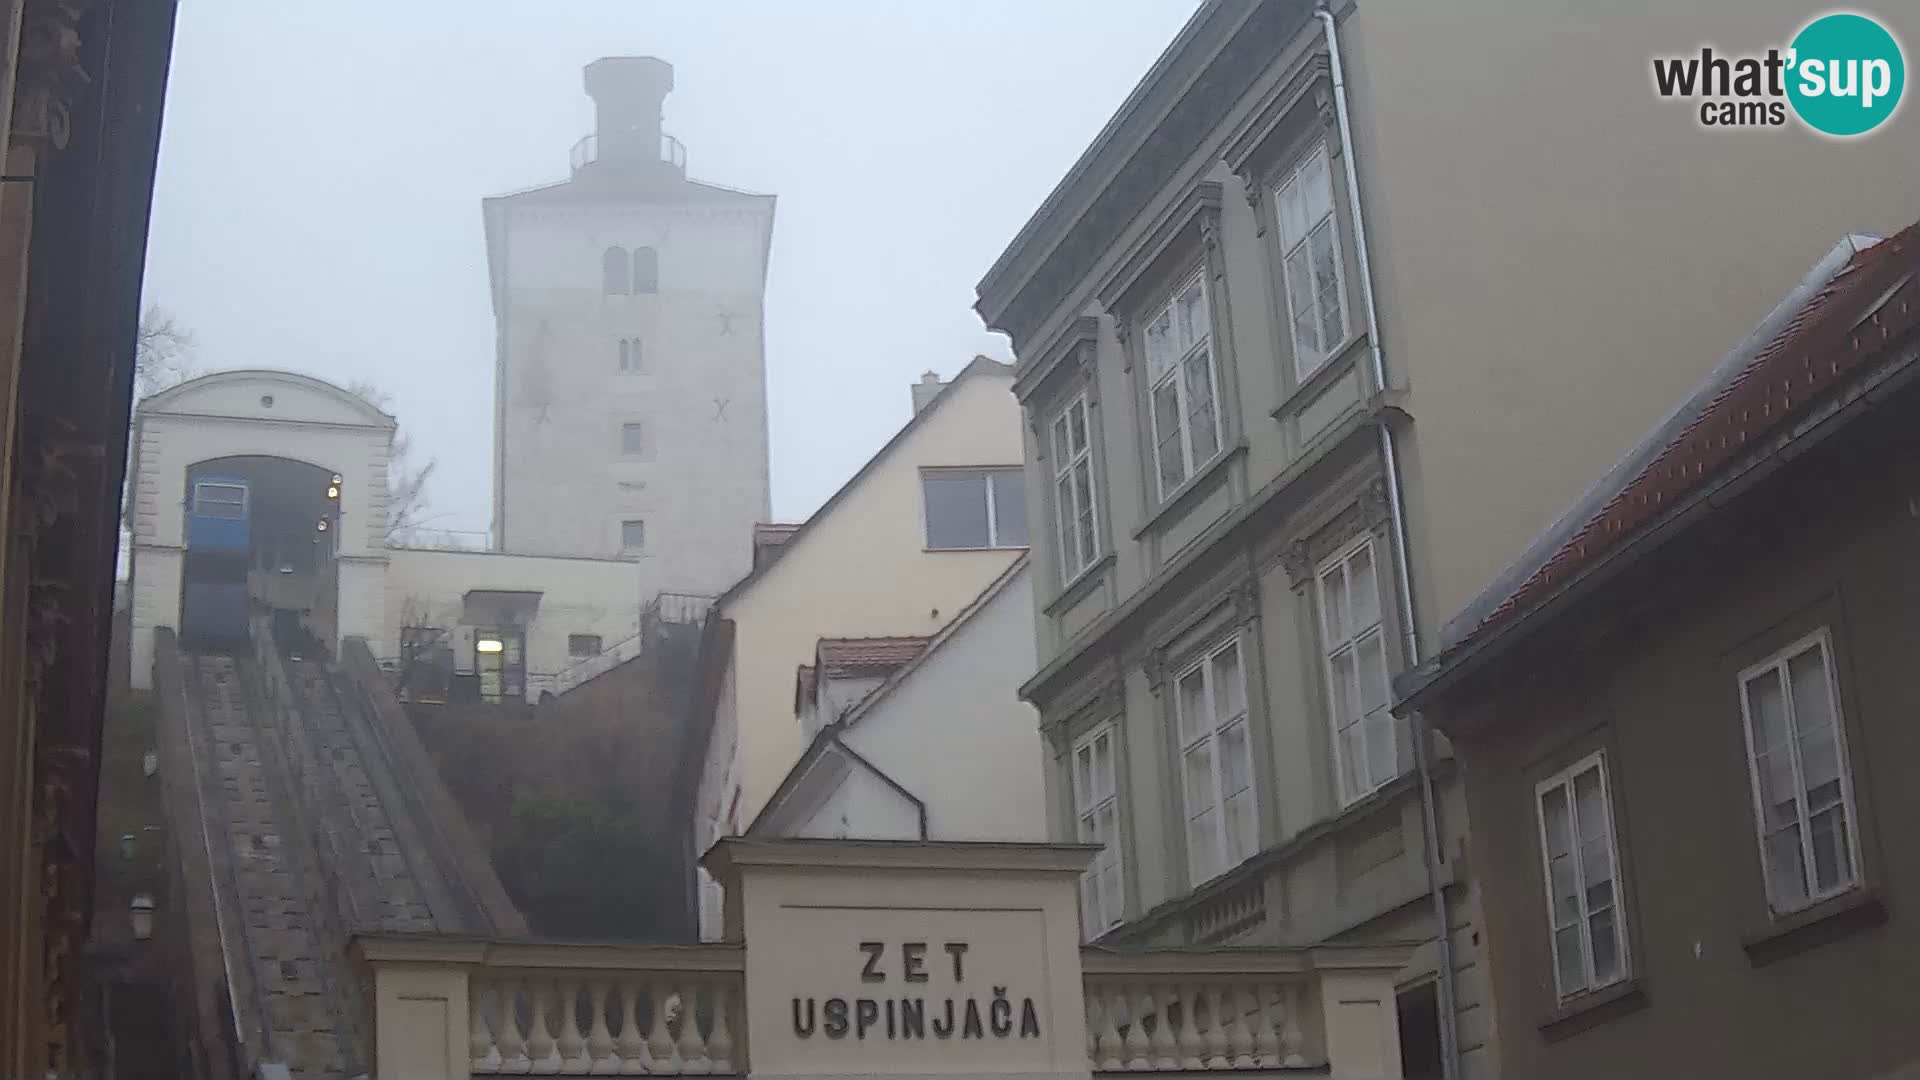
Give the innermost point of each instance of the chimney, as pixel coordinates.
(926, 390)
(627, 93)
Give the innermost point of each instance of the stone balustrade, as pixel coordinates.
(522, 1008)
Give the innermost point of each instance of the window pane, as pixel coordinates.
(1110, 895)
(1382, 753)
(1229, 688)
(633, 535)
(1202, 423)
(1242, 836)
(1161, 350)
(956, 510)
(646, 270)
(1063, 507)
(1604, 934)
(1372, 659)
(1812, 708)
(1236, 759)
(1333, 602)
(1062, 452)
(1785, 867)
(1191, 320)
(1293, 214)
(1353, 762)
(1304, 308)
(1083, 504)
(1365, 588)
(1557, 822)
(1777, 800)
(1316, 187)
(1832, 849)
(1766, 711)
(1567, 962)
(1197, 770)
(1203, 846)
(1102, 768)
(1195, 720)
(1166, 430)
(1009, 509)
(1077, 426)
(1327, 286)
(1340, 688)
(632, 439)
(613, 271)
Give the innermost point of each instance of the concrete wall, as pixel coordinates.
(860, 570)
(701, 481)
(271, 414)
(1650, 675)
(1561, 255)
(578, 596)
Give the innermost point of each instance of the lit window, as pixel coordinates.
(1366, 750)
(1096, 807)
(583, 645)
(1073, 499)
(1310, 263)
(633, 442)
(1182, 388)
(974, 508)
(1216, 762)
(489, 645)
(1582, 869)
(1802, 791)
(646, 270)
(633, 535)
(615, 272)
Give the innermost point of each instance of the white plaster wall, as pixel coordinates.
(578, 596)
(702, 480)
(862, 570)
(266, 413)
(956, 734)
(862, 807)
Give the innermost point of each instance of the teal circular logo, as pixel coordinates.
(1846, 74)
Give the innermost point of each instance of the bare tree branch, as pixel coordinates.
(407, 501)
(162, 353)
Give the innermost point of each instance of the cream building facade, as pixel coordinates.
(1305, 358)
(630, 398)
(870, 562)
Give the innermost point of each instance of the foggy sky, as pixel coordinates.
(321, 169)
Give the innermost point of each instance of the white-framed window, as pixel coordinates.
(1096, 809)
(974, 508)
(1366, 750)
(1580, 860)
(1073, 498)
(1216, 762)
(616, 278)
(1182, 386)
(633, 439)
(1802, 785)
(646, 270)
(633, 535)
(1315, 279)
(632, 358)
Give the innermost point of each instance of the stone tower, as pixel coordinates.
(630, 416)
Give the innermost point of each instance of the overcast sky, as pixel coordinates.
(322, 166)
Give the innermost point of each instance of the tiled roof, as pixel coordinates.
(1844, 329)
(842, 658)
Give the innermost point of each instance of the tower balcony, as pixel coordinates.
(587, 151)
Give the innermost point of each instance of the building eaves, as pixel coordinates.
(1839, 325)
(853, 658)
(980, 365)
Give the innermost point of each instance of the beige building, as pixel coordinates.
(1312, 340)
(898, 552)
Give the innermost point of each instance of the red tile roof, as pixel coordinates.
(843, 658)
(1844, 328)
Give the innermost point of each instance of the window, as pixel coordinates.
(1581, 863)
(1366, 753)
(1183, 397)
(1803, 795)
(1216, 762)
(583, 645)
(1073, 505)
(974, 508)
(631, 357)
(220, 500)
(615, 271)
(646, 271)
(1096, 807)
(633, 439)
(1310, 263)
(633, 535)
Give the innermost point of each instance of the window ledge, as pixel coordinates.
(1809, 928)
(1343, 360)
(1594, 1008)
(1183, 496)
(1000, 547)
(1079, 585)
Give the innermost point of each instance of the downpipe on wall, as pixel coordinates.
(1396, 504)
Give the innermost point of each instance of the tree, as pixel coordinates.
(407, 502)
(162, 353)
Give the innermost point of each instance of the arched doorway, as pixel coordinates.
(262, 535)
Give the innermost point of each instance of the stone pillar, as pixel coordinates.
(155, 602)
(420, 1022)
(1362, 1025)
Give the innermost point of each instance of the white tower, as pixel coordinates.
(630, 415)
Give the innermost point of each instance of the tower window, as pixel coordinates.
(633, 439)
(633, 535)
(646, 270)
(631, 357)
(615, 272)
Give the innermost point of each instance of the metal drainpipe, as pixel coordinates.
(1422, 733)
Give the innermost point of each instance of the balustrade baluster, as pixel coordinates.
(571, 1046)
(692, 1048)
(1096, 1016)
(1192, 1047)
(1112, 1045)
(632, 1045)
(1237, 1003)
(720, 1041)
(1217, 1009)
(1266, 1040)
(660, 1050)
(1166, 1048)
(1292, 1039)
(600, 1037)
(1139, 1046)
(540, 1046)
(511, 1041)
(480, 1046)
